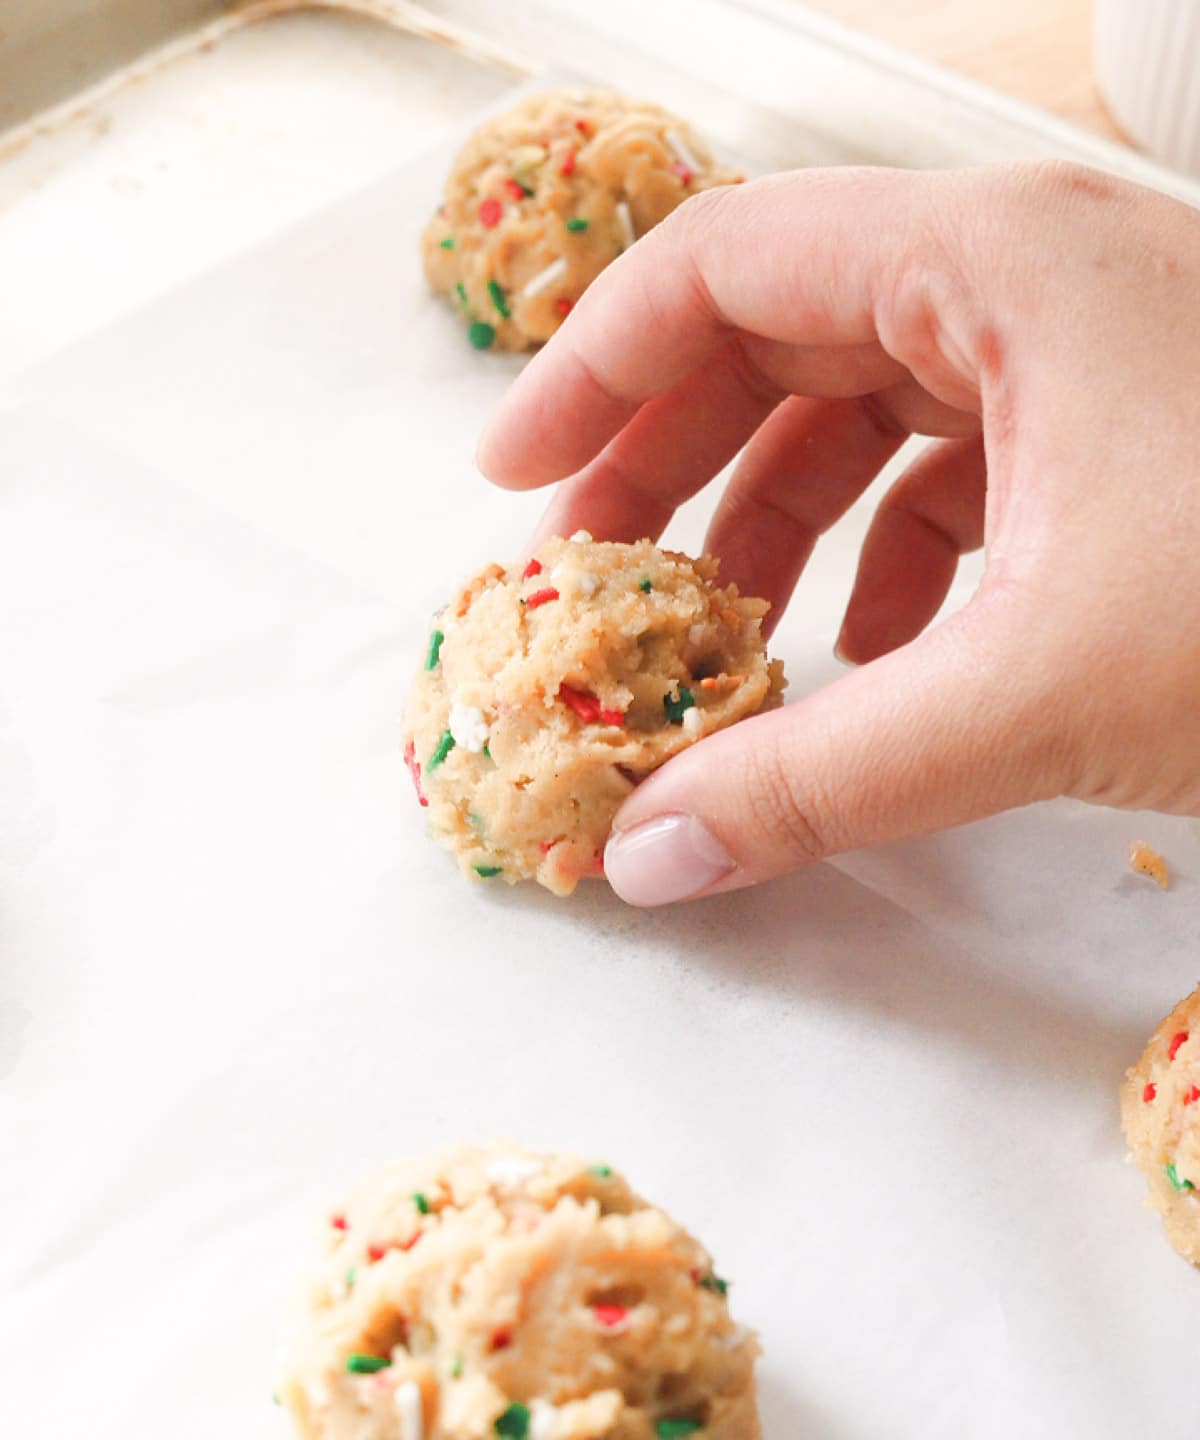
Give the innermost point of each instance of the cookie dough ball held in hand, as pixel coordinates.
(1160, 1111)
(541, 199)
(547, 692)
(495, 1294)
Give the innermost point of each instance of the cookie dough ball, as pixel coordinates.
(540, 200)
(491, 1292)
(548, 693)
(1160, 1111)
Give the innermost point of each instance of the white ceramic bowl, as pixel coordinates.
(1147, 56)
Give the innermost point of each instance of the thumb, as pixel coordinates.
(955, 726)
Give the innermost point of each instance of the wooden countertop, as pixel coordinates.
(1034, 50)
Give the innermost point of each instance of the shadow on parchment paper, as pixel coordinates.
(820, 933)
(788, 1415)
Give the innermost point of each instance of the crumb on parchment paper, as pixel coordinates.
(1147, 861)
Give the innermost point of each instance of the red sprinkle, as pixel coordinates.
(568, 165)
(547, 845)
(412, 1240)
(563, 305)
(1176, 1042)
(414, 769)
(533, 568)
(376, 1252)
(515, 188)
(339, 1222)
(588, 708)
(609, 1315)
(502, 1338)
(1149, 1092)
(541, 597)
(685, 175)
(490, 212)
(584, 127)
(1192, 1095)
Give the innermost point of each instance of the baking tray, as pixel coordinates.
(235, 439)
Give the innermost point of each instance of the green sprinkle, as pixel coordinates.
(275, 1400)
(475, 822)
(675, 709)
(499, 300)
(350, 1277)
(488, 871)
(456, 1367)
(481, 334)
(420, 1202)
(603, 1171)
(435, 649)
(462, 295)
(444, 747)
(576, 224)
(715, 1284)
(487, 751)
(1173, 1177)
(644, 585)
(366, 1364)
(448, 243)
(514, 1422)
(674, 1429)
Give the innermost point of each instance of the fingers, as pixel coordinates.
(673, 446)
(933, 514)
(826, 258)
(801, 472)
(960, 724)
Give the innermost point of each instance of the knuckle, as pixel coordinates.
(784, 814)
(751, 377)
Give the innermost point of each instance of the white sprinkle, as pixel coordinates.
(581, 537)
(696, 634)
(735, 1337)
(625, 221)
(469, 728)
(551, 275)
(318, 1394)
(543, 1420)
(680, 146)
(512, 1171)
(411, 1410)
(693, 722)
(566, 577)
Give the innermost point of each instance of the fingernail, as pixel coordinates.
(839, 653)
(665, 859)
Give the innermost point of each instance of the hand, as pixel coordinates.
(1045, 322)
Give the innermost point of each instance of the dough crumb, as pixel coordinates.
(1147, 861)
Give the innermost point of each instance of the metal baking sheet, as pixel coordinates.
(236, 480)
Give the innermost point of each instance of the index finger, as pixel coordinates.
(809, 259)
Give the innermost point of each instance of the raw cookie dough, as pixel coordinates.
(547, 694)
(1160, 1112)
(541, 199)
(491, 1292)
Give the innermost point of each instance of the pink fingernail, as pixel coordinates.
(668, 858)
(840, 654)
